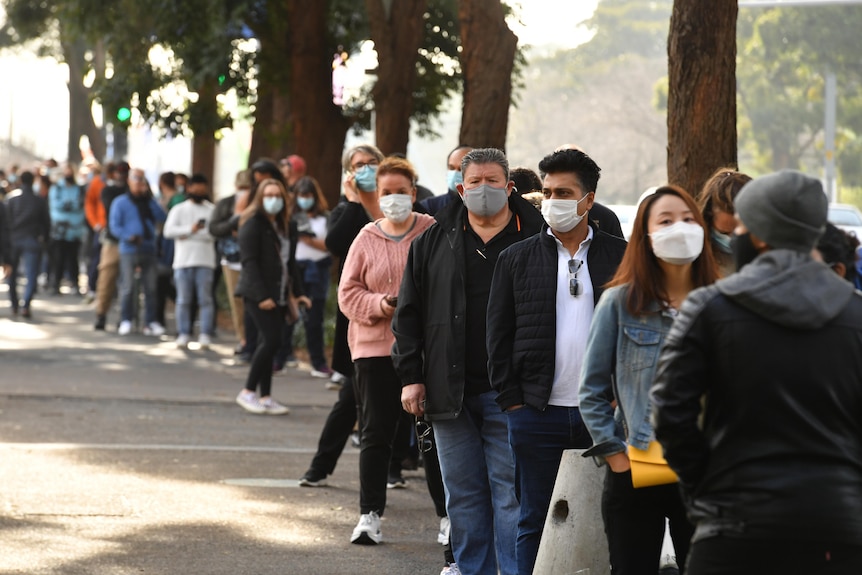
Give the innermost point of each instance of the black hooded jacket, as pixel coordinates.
(772, 359)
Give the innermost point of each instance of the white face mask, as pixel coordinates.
(396, 207)
(562, 215)
(678, 244)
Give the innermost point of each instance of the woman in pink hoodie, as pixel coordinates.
(367, 294)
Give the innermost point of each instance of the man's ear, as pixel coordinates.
(759, 244)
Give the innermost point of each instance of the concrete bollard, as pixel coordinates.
(573, 540)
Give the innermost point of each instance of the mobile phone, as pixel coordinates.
(202, 222)
(392, 300)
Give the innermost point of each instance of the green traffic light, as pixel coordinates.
(123, 114)
(221, 80)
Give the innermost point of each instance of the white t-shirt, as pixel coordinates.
(574, 315)
(306, 252)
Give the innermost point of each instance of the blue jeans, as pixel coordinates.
(147, 263)
(30, 251)
(190, 283)
(538, 439)
(479, 477)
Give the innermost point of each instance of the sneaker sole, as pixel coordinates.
(396, 485)
(366, 538)
(309, 483)
(251, 409)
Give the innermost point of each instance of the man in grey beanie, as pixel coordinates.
(758, 396)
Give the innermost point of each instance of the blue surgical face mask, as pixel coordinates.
(722, 241)
(305, 203)
(273, 205)
(366, 178)
(453, 178)
(485, 200)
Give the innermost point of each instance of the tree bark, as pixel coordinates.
(701, 116)
(397, 32)
(487, 61)
(81, 121)
(318, 126)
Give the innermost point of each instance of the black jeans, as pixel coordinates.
(733, 556)
(65, 262)
(634, 524)
(336, 430)
(378, 396)
(270, 324)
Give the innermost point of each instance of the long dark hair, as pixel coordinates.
(640, 268)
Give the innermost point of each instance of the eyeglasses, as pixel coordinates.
(423, 436)
(359, 165)
(135, 178)
(576, 288)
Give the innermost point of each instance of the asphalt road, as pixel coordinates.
(123, 455)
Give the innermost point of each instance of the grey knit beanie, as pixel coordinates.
(787, 210)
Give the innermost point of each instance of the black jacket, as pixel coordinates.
(772, 356)
(5, 238)
(260, 249)
(28, 215)
(429, 322)
(522, 313)
(224, 222)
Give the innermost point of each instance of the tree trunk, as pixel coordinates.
(204, 121)
(318, 126)
(80, 113)
(397, 32)
(487, 60)
(273, 135)
(701, 115)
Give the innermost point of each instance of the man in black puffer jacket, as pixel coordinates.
(539, 311)
(758, 397)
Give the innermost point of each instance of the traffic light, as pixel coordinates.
(123, 114)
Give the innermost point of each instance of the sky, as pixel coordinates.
(552, 21)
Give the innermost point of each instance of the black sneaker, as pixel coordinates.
(313, 478)
(100, 323)
(396, 482)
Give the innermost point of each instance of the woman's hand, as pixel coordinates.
(387, 308)
(303, 300)
(413, 398)
(351, 192)
(619, 462)
(267, 304)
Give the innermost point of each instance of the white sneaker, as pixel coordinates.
(367, 531)
(125, 328)
(182, 341)
(443, 534)
(204, 341)
(272, 407)
(248, 401)
(154, 329)
(451, 569)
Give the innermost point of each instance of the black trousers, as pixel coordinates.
(270, 324)
(64, 261)
(634, 524)
(378, 397)
(336, 430)
(733, 556)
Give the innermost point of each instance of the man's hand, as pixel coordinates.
(7, 270)
(413, 398)
(351, 192)
(267, 304)
(303, 301)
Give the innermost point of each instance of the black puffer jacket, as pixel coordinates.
(260, 249)
(429, 323)
(27, 214)
(522, 314)
(772, 356)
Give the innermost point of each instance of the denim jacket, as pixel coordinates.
(620, 363)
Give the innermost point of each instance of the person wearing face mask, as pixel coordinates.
(194, 261)
(66, 203)
(756, 398)
(453, 178)
(270, 285)
(536, 343)
(715, 202)
(367, 294)
(667, 257)
(442, 360)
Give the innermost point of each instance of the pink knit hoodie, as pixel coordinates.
(372, 270)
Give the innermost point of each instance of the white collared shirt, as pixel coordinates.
(574, 315)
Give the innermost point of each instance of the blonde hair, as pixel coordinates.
(282, 220)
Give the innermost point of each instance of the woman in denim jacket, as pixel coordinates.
(668, 256)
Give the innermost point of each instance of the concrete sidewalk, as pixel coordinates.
(126, 455)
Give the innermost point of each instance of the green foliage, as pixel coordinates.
(783, 57)
(627, 27)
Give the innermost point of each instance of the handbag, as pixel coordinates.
(649, 466)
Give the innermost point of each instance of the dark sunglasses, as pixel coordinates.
(576, 288)
(424, 436)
